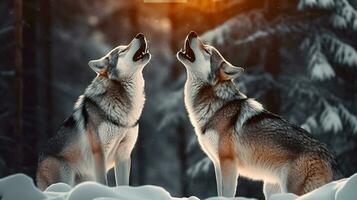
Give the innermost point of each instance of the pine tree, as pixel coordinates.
(326, 52)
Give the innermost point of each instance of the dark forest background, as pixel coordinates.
(300, 59)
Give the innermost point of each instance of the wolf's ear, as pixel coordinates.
(100, 66)
(229, 72)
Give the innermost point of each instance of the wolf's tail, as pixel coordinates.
(337, 173)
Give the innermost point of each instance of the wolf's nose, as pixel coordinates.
(192, 34)
(139, 36)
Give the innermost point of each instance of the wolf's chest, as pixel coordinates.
(110, 138)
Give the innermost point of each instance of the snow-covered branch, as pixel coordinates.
(345, 15)
(6, 29)
(318, 65)
(349, 117)
(330, 119)
(326, 4)
(342, 52)
(201, 166)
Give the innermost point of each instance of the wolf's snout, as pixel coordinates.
(187, 52)
(192, 35)
(140, 36)
(142, 51)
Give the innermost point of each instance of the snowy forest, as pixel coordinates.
(299, 56)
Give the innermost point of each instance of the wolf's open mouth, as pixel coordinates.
(142, 51)
(187, 51)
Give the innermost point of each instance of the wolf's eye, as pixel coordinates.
(206, 50)
(123, 50)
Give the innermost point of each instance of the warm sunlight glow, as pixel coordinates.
(207, 6)
(165, 1)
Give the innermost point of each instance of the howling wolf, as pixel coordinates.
(103, 128)
(241, 137)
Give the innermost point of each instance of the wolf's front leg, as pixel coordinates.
(218, 172)
(100, 171)
(229, 177)
(270, 188)
(98, 156)
(122, 158)
(122, 171)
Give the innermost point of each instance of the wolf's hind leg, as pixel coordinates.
(270, 189)
(81, 177)
(52, 170)
(307, 174)
(229, 171)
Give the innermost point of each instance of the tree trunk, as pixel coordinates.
(43, 71)
(19, 83)
(272, 59)
(30, 87)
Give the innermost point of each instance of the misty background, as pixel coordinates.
(300, 59)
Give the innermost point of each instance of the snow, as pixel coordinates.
(318, 3)
(9, 188)
(344, 53)
(20, 186)
(322, 70)
(284, 196)
(349, 117)
(344, 14)
(202, 165)
(348, 13)
(318, 64)
(330, 119)
(310, 124)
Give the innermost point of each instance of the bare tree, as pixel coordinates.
(18, 80)
(43, 69)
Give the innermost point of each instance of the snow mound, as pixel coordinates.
(20, 186)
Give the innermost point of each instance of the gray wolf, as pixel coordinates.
(103, 128)
(241, 137)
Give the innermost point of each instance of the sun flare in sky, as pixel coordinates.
(165, 1)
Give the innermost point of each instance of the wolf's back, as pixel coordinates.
(287, 137)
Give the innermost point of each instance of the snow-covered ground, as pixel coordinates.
(21, 187)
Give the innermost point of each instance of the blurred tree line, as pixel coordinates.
(300, 59)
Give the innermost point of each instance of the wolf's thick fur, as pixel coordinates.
(241, 137)
(103, 128)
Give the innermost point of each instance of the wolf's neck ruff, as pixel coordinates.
(204, 102)
(119, 102)
(87, 101)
